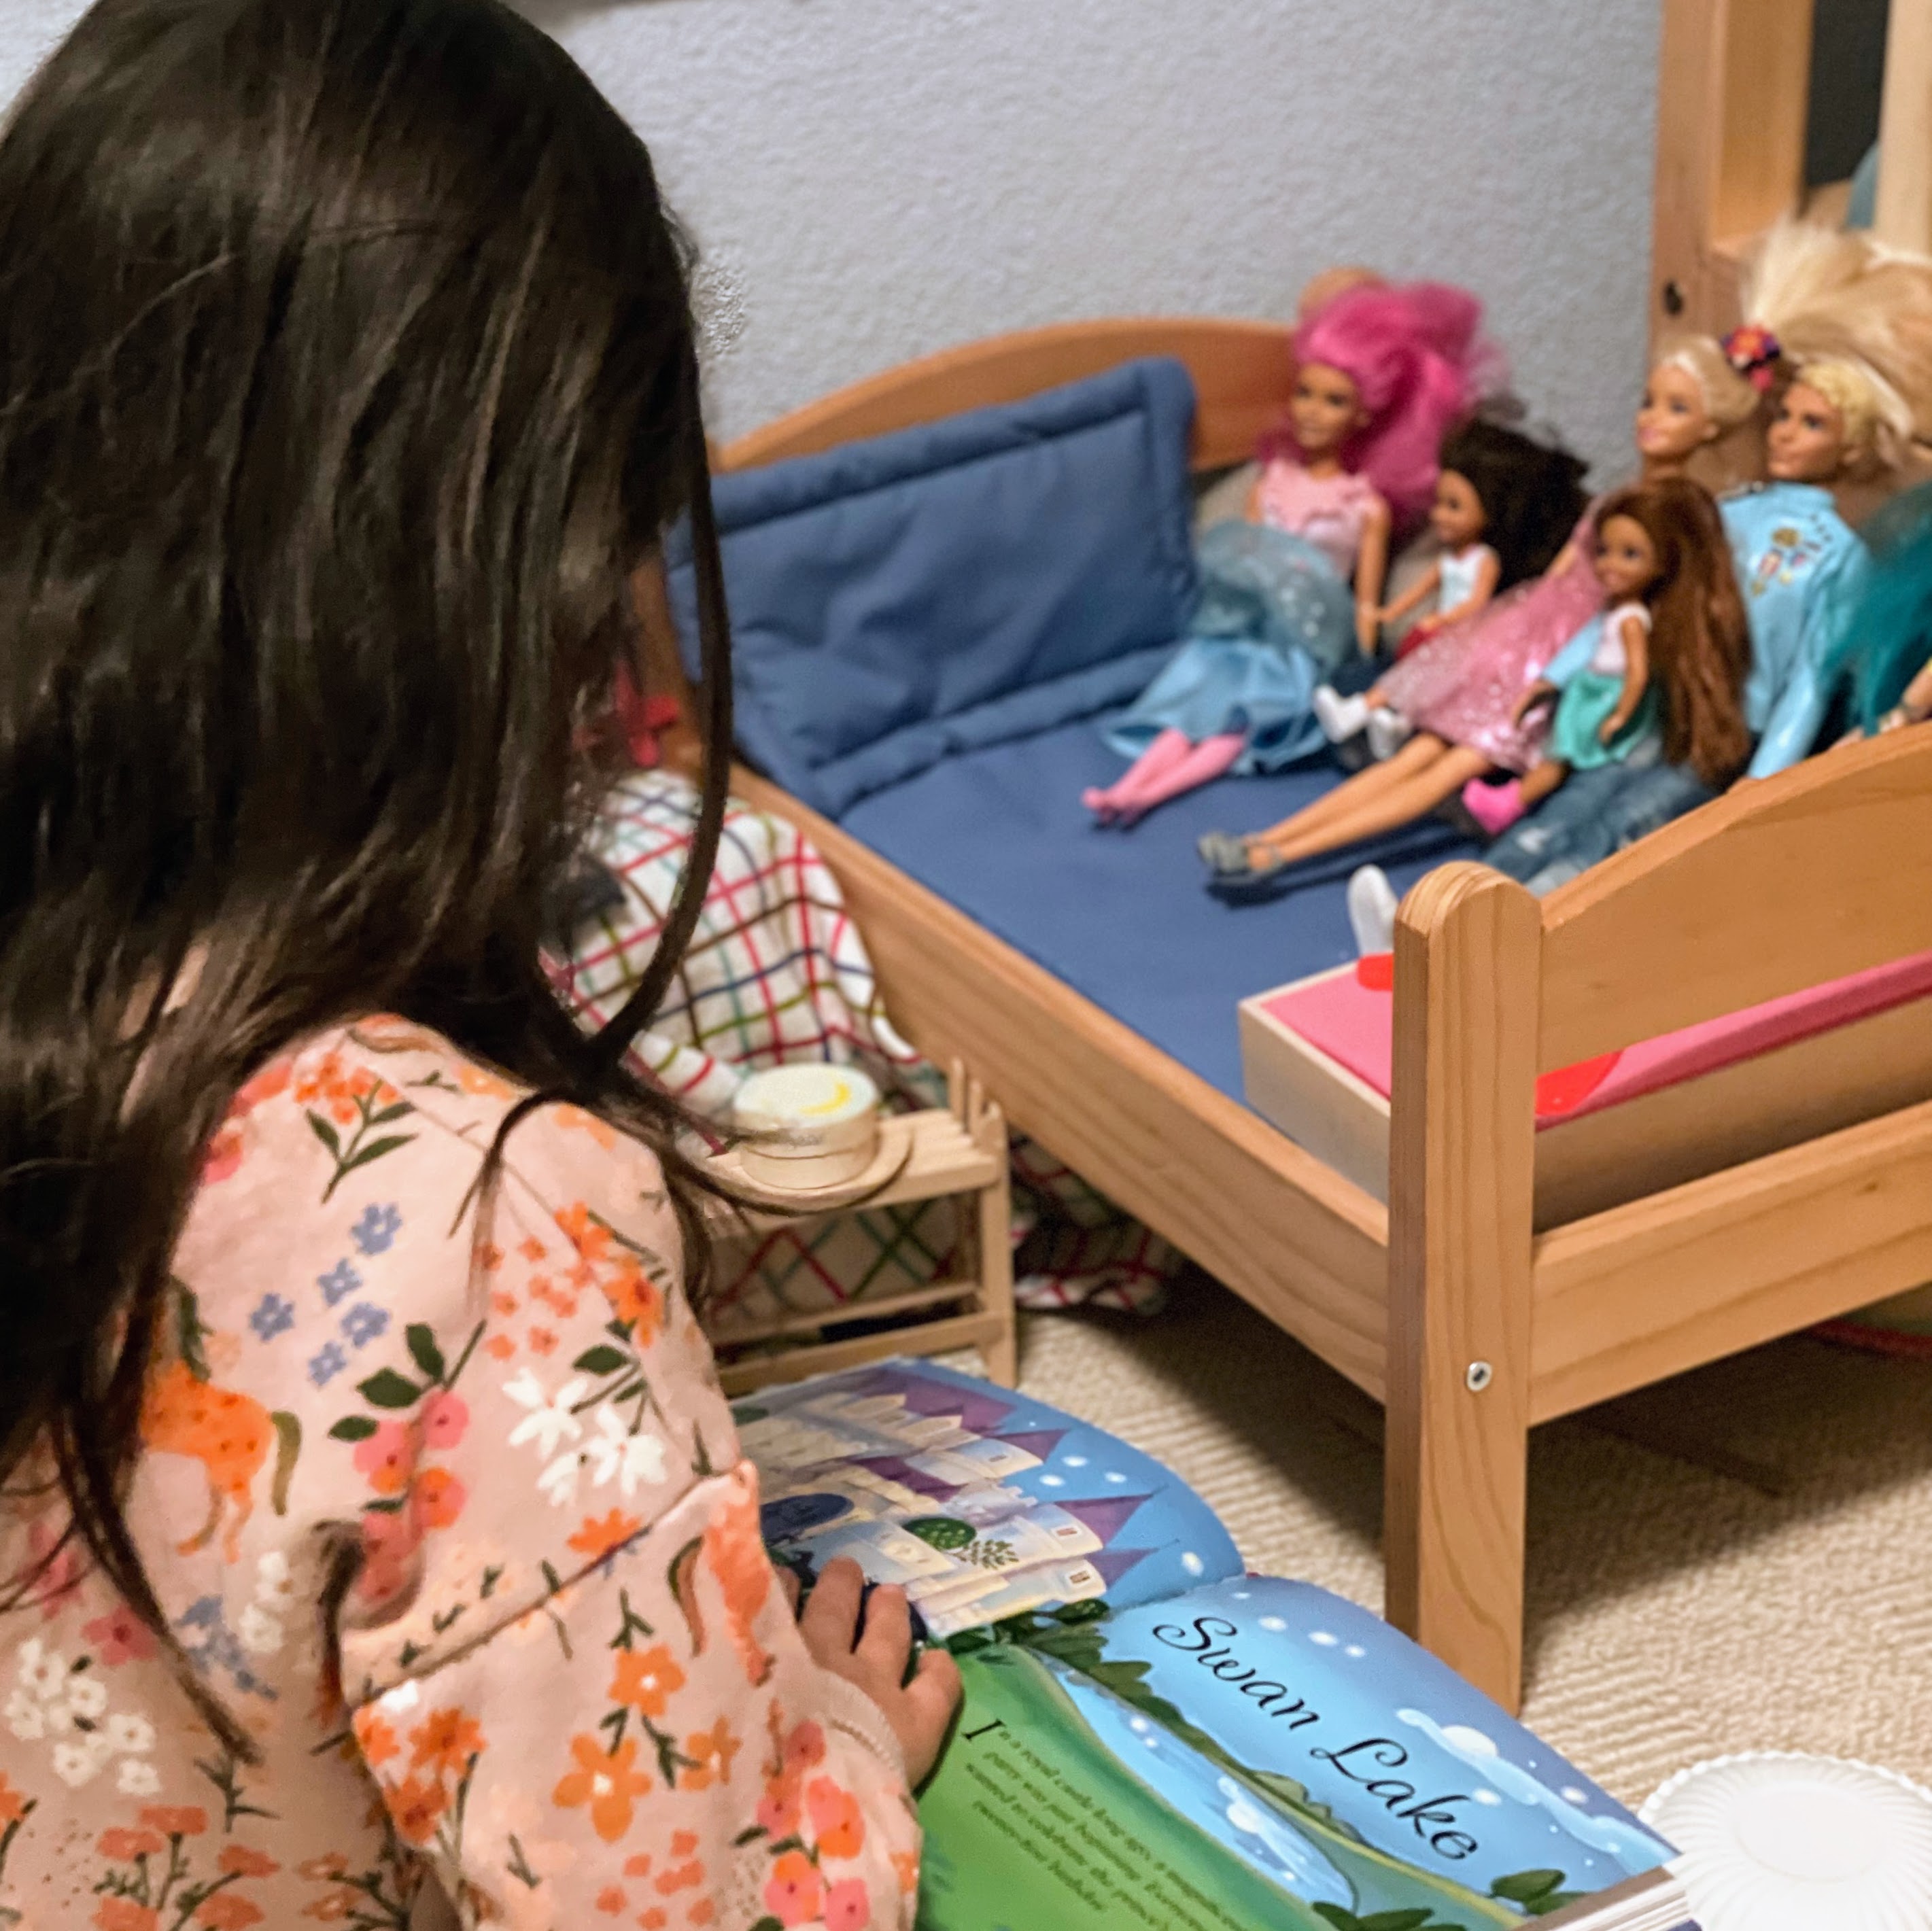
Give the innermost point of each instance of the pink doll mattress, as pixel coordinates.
(1349, 1016)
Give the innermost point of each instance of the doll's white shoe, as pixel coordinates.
(1372, 904)
(1388, 732)
(1340, 718)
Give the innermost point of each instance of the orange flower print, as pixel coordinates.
(611, 1900)
(793, 1892)
(683, 1842)
(123, 1913)
(503, 1303)
(703, 1912)
(637, 1866)
(542, 1341)
(595, 1540)
(804, 1747)
(445, 1741)
(680, 1877)
(575, 1118)
(239, 1861)
(417, 1805)
(905, 1867)
(499, 1348)
(474, 1080)
(848, 1905)
(227, 1912)
(14, 1806)
(837, 1821)
(378, 1741)
(121, 1847)
(532, 1249)
(272, 1080)
(592, 1241)
(711, 1751)
(437, 1498)
(335, 1907)
(633, 1298)
(320, 1870)
(646, 1680)
(175, 1821)
(652, 1920)
(609, 1782)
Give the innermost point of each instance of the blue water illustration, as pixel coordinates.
(1203, 1793)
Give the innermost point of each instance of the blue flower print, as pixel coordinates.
(376, 1231)
(326, 1364)
(218, 1647)
(341, 1281)
(364, 1321)
(274, 1316)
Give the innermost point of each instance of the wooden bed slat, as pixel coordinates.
(1462, 1156)
(1775, 887)
(1223, 1185)
(1666, 1283)
(1240, 370)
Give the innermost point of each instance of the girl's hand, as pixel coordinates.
(874, 1658)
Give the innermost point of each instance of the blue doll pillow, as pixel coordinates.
(954, 584)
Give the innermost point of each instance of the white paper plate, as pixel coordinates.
(1781, 1842)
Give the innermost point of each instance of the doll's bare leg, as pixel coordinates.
(1541, 781)
(1386, 810)
(1348, 798)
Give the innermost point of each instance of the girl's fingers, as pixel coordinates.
(832, 1616)
(934, 1690)
(886, 1641)
(788, 1581)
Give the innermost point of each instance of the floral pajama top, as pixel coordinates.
(564, 1680)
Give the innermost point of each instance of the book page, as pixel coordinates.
(981, 1503)
(1256, 1753)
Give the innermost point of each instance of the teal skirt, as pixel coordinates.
(1588, 699)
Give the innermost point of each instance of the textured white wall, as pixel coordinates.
(874, 179)
(881, 177)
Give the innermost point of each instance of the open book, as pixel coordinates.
(1151, 1737)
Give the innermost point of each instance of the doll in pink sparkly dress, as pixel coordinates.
(1458, 692)
(1381, 373)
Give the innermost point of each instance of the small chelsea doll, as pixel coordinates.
(1504, 504)
(1381, 373)
(1666, 657)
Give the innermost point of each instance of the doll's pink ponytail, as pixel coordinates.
(1418, 355)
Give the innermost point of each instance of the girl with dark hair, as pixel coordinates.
(373, 1514)
(1666, 657)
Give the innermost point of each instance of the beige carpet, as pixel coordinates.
(1674, 1612)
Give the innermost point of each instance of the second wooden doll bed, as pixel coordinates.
(1467, 1315)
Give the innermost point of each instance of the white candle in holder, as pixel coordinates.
(807, 1126)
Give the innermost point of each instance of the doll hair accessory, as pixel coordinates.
(1754, 352)
(1417, 354)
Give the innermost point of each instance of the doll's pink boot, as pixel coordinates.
(1495, 807)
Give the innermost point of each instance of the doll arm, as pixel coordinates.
(1487, 571)
(1429, 582)
(1798, 711)
(1916, 703)
(1565, 557)
(1636, 637)
(1371, 573)
(1540, 692)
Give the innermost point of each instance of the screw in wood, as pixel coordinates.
(1478, 1377)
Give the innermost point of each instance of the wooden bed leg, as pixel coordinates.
(993, 1229)
(1461, 1158)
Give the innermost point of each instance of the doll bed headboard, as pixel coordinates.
(1241, 370)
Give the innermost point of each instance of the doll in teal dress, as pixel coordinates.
(1666, 658)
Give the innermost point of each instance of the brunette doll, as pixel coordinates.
(1664, 659)
(1503, 504)
(1381, 372)
(1868, 314)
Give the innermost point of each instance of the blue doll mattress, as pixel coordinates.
(1122, 916)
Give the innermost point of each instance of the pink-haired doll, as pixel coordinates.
(1381, 373)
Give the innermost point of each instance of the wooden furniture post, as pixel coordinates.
(1903, 216)
(1462, 1154)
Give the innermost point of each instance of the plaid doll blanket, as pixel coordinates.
(779, 972)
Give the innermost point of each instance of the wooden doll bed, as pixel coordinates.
(1451, 1305)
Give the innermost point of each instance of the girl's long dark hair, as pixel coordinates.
(346, 371)
(1532, 493)
(1699, 640)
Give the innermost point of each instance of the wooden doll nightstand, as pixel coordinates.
(957, 1150)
